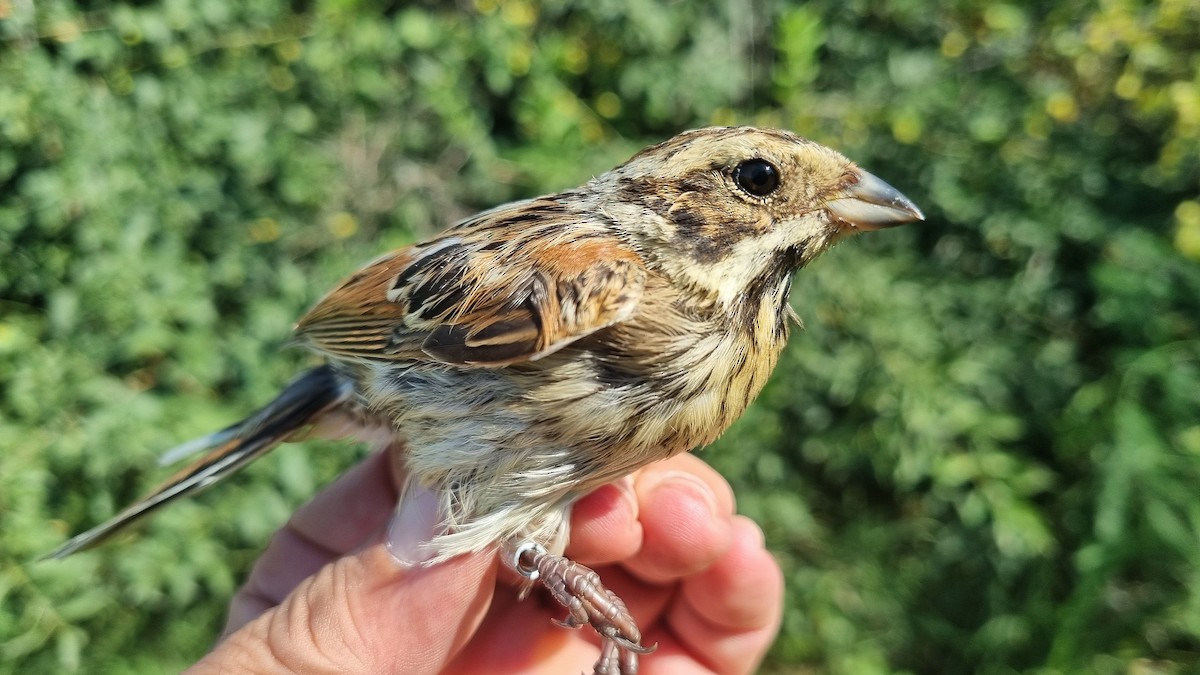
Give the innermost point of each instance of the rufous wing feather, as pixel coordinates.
(477, 306)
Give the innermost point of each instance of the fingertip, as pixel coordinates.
(687, 463)
(605, 526)
(685, 526)
(414, 524)
(743, 589)
(728, 615)
(749, 532)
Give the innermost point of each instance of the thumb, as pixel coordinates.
(365, 613)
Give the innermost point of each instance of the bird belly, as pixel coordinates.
(473, 439)
(510, 450)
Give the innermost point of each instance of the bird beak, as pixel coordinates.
(871, 204)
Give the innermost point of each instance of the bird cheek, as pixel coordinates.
(810, 227)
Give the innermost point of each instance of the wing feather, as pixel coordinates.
(473, 298)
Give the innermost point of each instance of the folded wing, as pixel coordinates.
(467, 300)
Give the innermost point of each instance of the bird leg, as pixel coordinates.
(587, 601)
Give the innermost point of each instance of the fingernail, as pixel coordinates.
(414, 524)
(628, 494)
(682, 480)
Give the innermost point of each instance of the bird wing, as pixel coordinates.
(503, 288)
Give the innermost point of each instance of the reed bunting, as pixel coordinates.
(536, 351)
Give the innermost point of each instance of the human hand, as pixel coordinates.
(327, 596)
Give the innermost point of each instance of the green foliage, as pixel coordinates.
(981, 456)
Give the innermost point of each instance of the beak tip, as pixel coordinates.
(872, 204)
(917, 213)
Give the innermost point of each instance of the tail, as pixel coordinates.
(299, 405)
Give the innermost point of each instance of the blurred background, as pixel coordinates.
(982, 456)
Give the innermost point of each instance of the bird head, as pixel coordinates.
(717, 208)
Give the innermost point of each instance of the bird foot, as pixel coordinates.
(588, 602)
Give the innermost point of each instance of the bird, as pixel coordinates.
(531, 353)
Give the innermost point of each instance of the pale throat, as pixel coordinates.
(731, 280)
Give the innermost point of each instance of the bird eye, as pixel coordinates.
(757, 177)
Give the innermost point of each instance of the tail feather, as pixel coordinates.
(299, 405)
(199, 445)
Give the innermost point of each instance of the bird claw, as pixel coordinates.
(634, 647)
(567, 623)
(588, 602)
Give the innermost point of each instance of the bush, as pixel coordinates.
(982, 455)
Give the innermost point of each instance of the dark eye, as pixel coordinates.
(757, 177)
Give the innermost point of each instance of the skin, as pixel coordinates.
(327, 597)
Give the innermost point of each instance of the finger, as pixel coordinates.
(604, 525)
(347, 512)
(335, 521)
(537, 646)
(365, 613)
(685, 510)
(689, 463)
(728, 615)
(288, 560)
